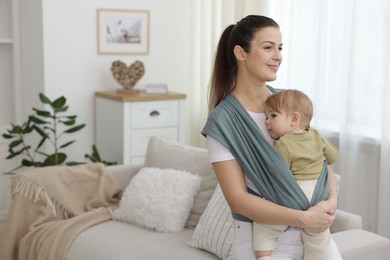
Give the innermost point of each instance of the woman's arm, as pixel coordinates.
(231, 179)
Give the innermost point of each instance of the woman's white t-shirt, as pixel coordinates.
(219, 153)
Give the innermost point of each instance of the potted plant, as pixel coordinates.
(50, 125)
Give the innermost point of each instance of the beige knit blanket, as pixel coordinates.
(51, 206)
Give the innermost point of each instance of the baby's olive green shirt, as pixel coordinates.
(305, 153)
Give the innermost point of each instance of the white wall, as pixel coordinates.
(31, 50)
(73, 68)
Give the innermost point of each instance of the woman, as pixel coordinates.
(248, 56)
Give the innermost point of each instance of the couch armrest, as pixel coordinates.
(123, 173)
(346, 221)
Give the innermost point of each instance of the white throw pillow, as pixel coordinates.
(158, 199)
(214, 232)
(168, 154)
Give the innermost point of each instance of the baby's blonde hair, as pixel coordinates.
(291, 101)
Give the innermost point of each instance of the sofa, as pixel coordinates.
(206, 232)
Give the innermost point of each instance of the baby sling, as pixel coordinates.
(232, 126)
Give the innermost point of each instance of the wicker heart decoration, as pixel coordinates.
(127, 76)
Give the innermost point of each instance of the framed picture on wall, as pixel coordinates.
(122, 31)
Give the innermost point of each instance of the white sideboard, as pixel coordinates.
(126, 120)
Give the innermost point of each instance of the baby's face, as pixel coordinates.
(277, 123)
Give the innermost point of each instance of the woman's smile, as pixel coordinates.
(274, 68)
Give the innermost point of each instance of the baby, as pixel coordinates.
(288, 115)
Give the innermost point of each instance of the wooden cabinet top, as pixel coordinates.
(137, 96)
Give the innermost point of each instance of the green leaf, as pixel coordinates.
(36, 120)
(27, 163)
(17, 130)
(43, 113)
(95, 157)
(67, 144)
(75, 129)
(44, 99)
(15, 143)
(50, 129)
(59, 102)
(95, 153)
(7, 136)
(74, 163)
(61, 109)
(13, 153)
(21, 130)
(109, 163)
(55, 159)
(69, 122)
(41, 143)
(40, 131)
(87, 156)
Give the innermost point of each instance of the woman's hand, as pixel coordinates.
(320, 217)
(328, 206)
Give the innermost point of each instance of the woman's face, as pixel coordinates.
(264, 58)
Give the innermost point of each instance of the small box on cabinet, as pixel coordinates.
(156, 89)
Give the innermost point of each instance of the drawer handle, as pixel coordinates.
(154, 113)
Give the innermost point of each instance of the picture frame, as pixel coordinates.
(121, 31)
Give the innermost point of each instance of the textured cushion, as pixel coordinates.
(158, 199)
(214, 232)
(114, 240)
(363, 245)
(162, 153)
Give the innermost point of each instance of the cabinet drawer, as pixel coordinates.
(140, 138)
(154, 114)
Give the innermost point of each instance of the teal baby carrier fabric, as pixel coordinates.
(232, 126)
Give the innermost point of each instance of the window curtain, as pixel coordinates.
(338, 53)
